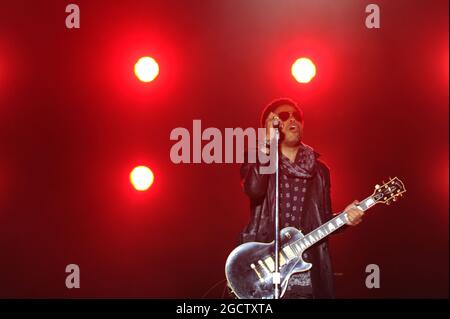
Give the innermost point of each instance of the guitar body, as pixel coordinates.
(249, 272)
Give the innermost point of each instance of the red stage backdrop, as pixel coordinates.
(75, 121)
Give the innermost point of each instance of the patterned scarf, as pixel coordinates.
(304, 165)
(291, 208)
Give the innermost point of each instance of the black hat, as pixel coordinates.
(276, 103)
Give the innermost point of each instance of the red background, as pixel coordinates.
(74, 121)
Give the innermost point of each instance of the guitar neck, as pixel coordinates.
(332, 225)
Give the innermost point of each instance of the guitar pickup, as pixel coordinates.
(270, 264)
(289, 252)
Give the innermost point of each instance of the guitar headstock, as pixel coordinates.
(389, 191)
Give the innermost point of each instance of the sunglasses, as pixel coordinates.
(284, 116)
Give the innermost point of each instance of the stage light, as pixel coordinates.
(141, 178)
(146, 69)
(303, 70)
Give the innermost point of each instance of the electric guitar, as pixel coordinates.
(249, 267)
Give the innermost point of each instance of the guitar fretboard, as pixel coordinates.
(329, 227)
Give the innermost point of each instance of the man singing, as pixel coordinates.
(304, 198)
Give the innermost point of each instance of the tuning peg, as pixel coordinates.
(388, 203)
(394, 199)
(377, 186)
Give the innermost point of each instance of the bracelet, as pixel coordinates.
(264, 144)
(264, 147)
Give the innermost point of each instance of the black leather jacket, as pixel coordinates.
(317, 208)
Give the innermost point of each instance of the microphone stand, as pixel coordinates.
(276, 274)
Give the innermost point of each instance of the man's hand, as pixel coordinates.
(354, 214)
(270, 133)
